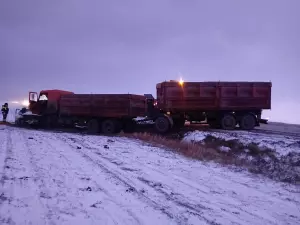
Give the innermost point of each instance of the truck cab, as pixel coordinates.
(46, 102)
(44, 107)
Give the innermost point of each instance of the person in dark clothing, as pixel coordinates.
(5, 111)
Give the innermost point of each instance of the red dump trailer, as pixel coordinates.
(106, 113)
(220, 104)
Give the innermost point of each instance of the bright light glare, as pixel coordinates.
(25, 103)
(15, 102)
(181, 81)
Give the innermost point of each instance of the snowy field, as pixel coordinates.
(281, 143)
(60, 178)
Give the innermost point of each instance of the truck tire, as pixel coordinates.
(228, 122)
(247, 122)
(93, 126)
(162, 124)
(109, 127)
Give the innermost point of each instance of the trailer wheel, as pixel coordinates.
(247, 122)
(228, 122)
(162, 124)
(109, 127)
(93, 126)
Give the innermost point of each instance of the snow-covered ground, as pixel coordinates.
(280, 143)
(60, 178)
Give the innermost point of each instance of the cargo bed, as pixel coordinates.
(221, 104)
(103, 105)
(204, 96)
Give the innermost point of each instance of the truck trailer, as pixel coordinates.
(221, 104)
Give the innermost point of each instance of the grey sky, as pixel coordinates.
(129, 46)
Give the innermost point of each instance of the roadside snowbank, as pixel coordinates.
(275, 156)
(281, 144)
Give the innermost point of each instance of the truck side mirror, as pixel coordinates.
(33, 97)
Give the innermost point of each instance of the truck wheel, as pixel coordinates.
(93, 126)
(109, 127)
(247, 122)
(162, 124)
(228, 122)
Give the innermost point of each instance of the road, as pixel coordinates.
(60, 178)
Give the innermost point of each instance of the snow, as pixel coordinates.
(282, 144)
(29, 113)
(140, 118)
(143, 120)
(224, 149)
(60, 178)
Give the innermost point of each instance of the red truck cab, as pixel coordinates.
(46, 102)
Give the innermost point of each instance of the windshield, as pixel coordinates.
(43, 97)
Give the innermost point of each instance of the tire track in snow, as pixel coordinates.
(99, 187)
(39, 187)
(236, 210)
(3, 144)
(44, 179)
(6, 193)
(130, 188)
(53, 149)
(7, 157)
(19, 185)
(186, 207)
(43, 190)
(179, 199)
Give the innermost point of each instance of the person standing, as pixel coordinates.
(5, 111)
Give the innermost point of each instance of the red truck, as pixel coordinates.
(221, 104)
(106, 113)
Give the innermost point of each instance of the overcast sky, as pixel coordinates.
(129, 46)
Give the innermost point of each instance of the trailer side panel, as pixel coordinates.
(207, 96)
(103, 105)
